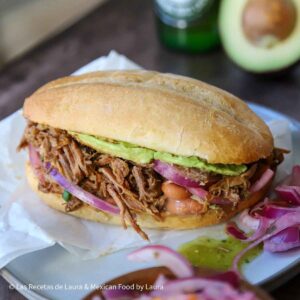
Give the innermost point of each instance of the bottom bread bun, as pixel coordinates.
(211, 217)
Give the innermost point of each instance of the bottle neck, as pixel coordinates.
(182, 13)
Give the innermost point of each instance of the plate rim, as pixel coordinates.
(15, 282)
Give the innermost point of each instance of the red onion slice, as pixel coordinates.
(118, 294)
(171, 173)
(262, 181)
(287, 239)
(204, 288)
(166, 257)
(289, 190)
(232, 229)
(80, 193)
(199, 192)
(262, 228)
(34, 157)
(236, 232)
(289, 193)
(69, 186)
(289, 220)
(230, 277)
(36, 163)
(248, 220)
(272, 211)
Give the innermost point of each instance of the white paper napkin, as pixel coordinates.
(27, 225)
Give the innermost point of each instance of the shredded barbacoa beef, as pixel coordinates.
(233, 187)
(132, 187)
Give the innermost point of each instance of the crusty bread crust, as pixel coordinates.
(211, 217)
(164, 112)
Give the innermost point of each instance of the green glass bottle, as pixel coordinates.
(188, 25)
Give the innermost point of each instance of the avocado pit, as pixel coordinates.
(266, 23)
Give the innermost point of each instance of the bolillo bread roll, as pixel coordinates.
(166, 113)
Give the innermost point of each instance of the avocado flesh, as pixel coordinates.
(143, 155)
(253, 58)
(195, 162)
(119, 149)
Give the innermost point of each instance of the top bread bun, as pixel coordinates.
(164, 112)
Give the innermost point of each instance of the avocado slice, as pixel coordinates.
(196, 162)
(261, 36)
(143, 155)
(116, 148)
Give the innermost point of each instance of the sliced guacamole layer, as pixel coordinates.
(120, 149)
(143, 155)
(195, 162)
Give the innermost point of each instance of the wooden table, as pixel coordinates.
(128, 27)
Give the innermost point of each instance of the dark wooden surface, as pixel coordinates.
(128, 26)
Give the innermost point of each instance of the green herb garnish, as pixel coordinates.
(66, 196)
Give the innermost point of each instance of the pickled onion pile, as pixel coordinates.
(276, 223)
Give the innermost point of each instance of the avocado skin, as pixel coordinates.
(285, 72)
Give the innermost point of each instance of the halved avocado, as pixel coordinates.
(261, 36)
